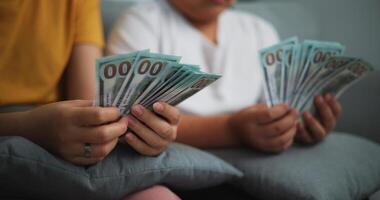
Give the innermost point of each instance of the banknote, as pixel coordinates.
(295, 72)
(174, 81)
(289, 59)
(104, 84)
(318, 54)
(111, 72)
(193, 88)
(174, 87)
(157, 86)
(326, 73)
(271, 65)
(144, 78)
(148, 67)
(338, 82)
(303, 51)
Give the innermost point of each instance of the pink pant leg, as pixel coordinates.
(154, 192)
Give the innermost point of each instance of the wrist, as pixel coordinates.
(12, 124)
(31, 127)
(229, 124)
(232, 129)
(25, 124)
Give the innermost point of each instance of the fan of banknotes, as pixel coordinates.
(144, 78)
(296, 72)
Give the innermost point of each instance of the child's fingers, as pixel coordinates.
(140, 146)
(146, 134)
(316, 129)
(154, 122)
(334, 105)
(265, 115)
(282, 142)
(326, 114)
(303, 135)
(167, 111)
(282, 125)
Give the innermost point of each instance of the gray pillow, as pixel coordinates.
(342, 167)
(28, 171)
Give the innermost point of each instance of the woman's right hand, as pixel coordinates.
(65, 127)
(266, 129)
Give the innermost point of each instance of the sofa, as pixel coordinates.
(344, 166)
(321, 20)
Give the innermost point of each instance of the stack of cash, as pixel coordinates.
(144, 78)
(295, 72)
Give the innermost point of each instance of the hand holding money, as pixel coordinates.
(71, 124)
(268, 129)
(155, 129)
(146, 87)
(309, 75)
(296, 72)
(314, 129)
(145, 78)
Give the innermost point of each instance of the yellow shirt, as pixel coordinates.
(36, 39)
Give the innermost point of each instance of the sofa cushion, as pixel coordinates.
(341, 167)
(28, 171)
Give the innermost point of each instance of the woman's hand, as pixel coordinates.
(152, 132)
(266, 129)
(313, 130)
(65, 127)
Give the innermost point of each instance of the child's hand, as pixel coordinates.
(266, 129)
(153, 132)
(329, 110)
(65, 127)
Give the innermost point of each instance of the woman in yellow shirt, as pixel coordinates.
(48, 52)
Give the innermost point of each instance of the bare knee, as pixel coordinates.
(154, 192)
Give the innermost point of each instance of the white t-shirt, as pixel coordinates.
(159, 27)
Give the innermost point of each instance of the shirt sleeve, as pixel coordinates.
(135, 30)
(88, 23)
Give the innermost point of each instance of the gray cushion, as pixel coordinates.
(342, 167)
(29, 171)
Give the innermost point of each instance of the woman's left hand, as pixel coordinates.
(152, 132)
(313, 130)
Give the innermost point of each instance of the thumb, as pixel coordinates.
(271, 114)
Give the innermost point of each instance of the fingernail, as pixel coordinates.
(158, 107)
(131, 120)
(137, 110)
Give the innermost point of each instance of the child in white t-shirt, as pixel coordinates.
(226, 42)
